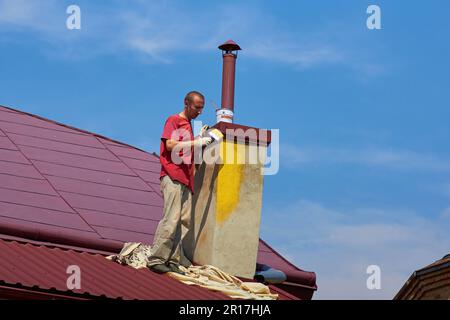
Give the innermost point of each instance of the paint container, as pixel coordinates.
(215, 134)
(224, 115)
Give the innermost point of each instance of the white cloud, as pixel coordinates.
(369, 234)
(446, 213)
(19, 12)
(159, 30)
(441, 189)
(29, 15)
(302, 56)
(292, 156)
(339, 244)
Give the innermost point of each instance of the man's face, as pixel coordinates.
(194, 107)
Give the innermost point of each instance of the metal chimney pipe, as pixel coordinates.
(229, 54)
(228, 80)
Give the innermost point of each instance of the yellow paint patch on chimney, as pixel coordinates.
(229, 179)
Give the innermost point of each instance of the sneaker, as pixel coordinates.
(160, 268)
(174, 268)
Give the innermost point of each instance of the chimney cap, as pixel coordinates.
(230, 45)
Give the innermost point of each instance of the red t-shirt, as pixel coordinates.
(180, 167)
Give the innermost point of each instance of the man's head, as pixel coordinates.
(193, 104)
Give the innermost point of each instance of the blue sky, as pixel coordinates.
(363, 114)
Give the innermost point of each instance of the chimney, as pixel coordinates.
(228, 189)
(229, 55)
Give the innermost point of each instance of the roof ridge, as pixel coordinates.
(443, 260)
(278, 254)
(73, 128)
(409, 285)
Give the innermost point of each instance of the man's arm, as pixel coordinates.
(201, 141)
(171, 144)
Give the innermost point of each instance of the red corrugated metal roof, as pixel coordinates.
(40, 267)
(63, 185)
(28, 266)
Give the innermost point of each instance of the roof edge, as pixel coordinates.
(73, 128)
(278, 254)
(18, 292)
(412, 281)
(296, 276)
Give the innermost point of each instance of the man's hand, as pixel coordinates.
(202, 141)
(179, 145)
(203, 130)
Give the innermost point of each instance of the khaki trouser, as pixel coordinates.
(173, 227)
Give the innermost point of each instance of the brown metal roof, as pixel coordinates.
(67, 186)
(427, 282)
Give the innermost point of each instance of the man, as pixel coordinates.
(177, 185)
